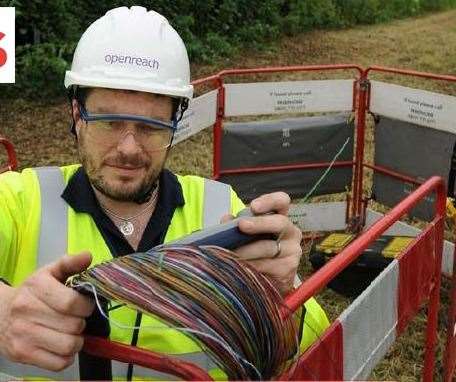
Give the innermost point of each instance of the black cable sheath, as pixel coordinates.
(134, 342)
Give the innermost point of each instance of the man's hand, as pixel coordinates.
(41, 321)
(280, 267)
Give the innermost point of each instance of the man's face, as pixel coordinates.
(124, 168)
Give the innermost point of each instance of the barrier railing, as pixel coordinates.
(400, 105)
(450, 349)
(442, 118)
(233, 110)
(229, 101)
(343, 352)
(226, 100)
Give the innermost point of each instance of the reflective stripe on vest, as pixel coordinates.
(53, 243)
(5, 377)
(29, 372)
(217, 202)
(53, 240)
(54, 211)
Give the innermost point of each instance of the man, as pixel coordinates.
(129, 84)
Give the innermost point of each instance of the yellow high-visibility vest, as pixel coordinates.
(29, 204)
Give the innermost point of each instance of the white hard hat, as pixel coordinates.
(132, 49)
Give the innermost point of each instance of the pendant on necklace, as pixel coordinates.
(127, 228)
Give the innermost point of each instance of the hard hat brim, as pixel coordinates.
(141, 85)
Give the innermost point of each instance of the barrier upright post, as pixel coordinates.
(450, 350)
(363, 88)
(433, 308)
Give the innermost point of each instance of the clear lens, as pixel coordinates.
(150, 136)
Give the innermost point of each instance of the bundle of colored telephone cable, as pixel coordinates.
(232, 311)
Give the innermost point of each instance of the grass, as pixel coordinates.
(40, 130)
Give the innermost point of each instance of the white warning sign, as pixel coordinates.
(288, 97)
(420, 107)
(201, 113)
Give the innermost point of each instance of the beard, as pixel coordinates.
(128, 192)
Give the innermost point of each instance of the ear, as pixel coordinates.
(76, 116)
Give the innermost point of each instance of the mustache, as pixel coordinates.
(127, 161)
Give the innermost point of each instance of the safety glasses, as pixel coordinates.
(110, 128)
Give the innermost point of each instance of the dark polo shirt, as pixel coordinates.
(81, 197)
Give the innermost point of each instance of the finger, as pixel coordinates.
(68, 266)
(47, 360)
(41, 314)
(282, 266)
(276, 201)
(59, 322)
(66, 325)
(258, 250)
(61, 298)
(275, 224)
(281, 270)
(55, 342)
(278, 267)
(226, 218)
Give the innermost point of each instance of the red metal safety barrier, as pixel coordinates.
(101, 347)
(357, 107)
(411, 73)
(12, 161)
(336, 355)
(359, 158)
(414, 285)
(326, 359)
(362, 94)
(450, 350)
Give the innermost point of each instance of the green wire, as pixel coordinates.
(309, 194)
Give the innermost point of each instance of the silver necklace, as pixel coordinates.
(126, 226)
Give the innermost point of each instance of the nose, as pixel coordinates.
(128, 144)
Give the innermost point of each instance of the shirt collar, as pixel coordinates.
(80, 196)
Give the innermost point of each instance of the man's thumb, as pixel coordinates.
(70, 265)
(226, 218)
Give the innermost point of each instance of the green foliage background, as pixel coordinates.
(210, 28)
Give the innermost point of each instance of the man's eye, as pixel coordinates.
(116, 125)
(144, 128)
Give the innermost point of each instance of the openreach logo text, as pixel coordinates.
(7, 45)
(131, 60)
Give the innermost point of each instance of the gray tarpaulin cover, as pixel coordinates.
(412, 150)
(287, 141)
